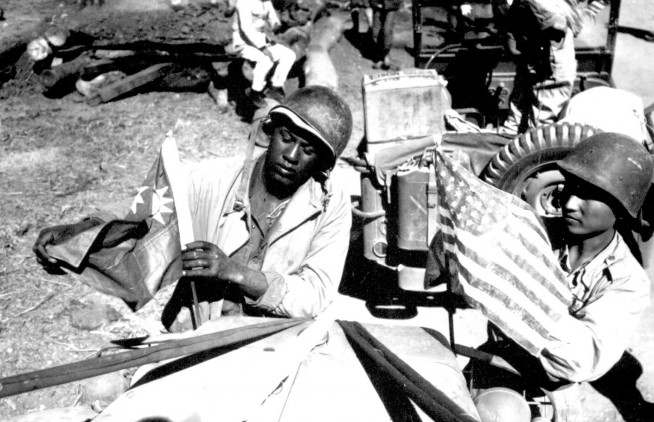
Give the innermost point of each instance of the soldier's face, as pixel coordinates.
(291, 160)
(585, 208)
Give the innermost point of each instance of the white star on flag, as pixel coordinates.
(159, 202)
(138, 199)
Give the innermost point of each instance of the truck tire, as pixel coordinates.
(527, 166)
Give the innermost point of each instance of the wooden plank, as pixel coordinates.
(206, 49)
(64, 73)
(129, 83)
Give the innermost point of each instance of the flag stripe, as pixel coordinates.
(500, 269)
(551, 275)
(501, 289)
(525, 216)
(508, 292)
(494, 311)
(523, 266)
(594, 7)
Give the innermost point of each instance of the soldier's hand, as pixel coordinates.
(51, 236)
(205, 260)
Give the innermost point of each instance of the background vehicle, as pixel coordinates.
(468, 52)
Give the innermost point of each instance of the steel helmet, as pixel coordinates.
(318, 113)
(615, 163)
(502, 404)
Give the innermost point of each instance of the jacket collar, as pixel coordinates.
(603, 261)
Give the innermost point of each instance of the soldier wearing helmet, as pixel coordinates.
(607, 177)
(273, 233)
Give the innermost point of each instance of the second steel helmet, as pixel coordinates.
(502, 404)
(318, 113)
(615, 163)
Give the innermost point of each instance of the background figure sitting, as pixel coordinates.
(252, 20)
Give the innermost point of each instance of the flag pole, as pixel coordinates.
(451, 309)
(195, 315)
(178, 185)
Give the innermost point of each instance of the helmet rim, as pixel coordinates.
(319, 112)
(615, 163)
(281, 111)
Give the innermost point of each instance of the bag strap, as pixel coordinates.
(432, 204)
(241, 192)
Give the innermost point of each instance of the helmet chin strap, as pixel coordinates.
(322, 177)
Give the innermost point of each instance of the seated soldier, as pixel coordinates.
(249, 41)
(283, 253)
(607, 177)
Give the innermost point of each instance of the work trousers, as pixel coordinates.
(382, 30)
(538, 100)
(283, 56)
(536, 104)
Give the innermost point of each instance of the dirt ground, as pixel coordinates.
(61, 158)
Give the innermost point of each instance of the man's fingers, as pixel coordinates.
(202, 250)
(43, 258)
(198, 254)
(50, 267)
(201, 254)
(199, 245)
(198, 272)
(39, 250)
(196, 263)
(52, 260)
(39, 247)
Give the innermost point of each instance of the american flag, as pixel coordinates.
(594, 7)
(493, 249)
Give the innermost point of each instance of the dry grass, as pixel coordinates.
(58, 160)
